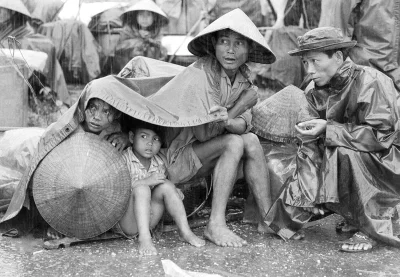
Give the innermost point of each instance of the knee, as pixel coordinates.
(234, 144)
(252, 145)
(165, 188)
(141, 192)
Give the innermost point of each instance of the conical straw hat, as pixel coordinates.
(82, 187)
(275, 117)
(147, 5)
(239, 22)
(15, 5)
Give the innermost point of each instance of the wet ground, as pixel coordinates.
(265, 255)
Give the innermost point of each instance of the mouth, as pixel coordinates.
(94, 125)
(229, 60)
(148, 151)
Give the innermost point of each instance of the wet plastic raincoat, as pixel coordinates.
(354, 169)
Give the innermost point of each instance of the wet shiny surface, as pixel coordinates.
(266, 255)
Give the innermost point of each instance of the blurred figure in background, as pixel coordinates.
(141, 34)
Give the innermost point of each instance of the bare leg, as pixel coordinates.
(257, 177)
(137, 219)
(166, 194)
(224, 152)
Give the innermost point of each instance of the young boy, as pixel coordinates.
(151, 191)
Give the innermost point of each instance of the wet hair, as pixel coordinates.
(139, 124)
(113, 111)
(345, 52)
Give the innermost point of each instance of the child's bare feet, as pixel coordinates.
(192, 239)
(51, 234)
(146, 246)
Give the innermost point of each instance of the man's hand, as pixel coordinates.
(248, 98)
(312, 128)
(119, 140)
(219, 113)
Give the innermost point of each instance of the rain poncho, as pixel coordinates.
(354, 169)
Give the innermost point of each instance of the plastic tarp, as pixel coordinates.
(16, 149)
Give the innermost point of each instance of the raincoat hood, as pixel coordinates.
(240, 23)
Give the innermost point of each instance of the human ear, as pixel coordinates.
(131, 136)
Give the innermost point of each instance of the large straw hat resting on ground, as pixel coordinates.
(145, 5)
(239, 22)
(15, 5)
(275, 117)
(82, 187)
(321, 39)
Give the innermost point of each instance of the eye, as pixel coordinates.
(156, 138)
(144, 136)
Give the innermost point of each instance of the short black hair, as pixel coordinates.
(345, 52)
(140, 124)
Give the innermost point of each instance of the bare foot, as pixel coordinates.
(192, 239)
(53, 234)
(359, 242)
(222, 236)
(299, 235)
(146, 247)
(314, 210)
(263, 228)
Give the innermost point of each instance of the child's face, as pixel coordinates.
(98, 116)
(145, 143)
(145, 18)
(231, 50)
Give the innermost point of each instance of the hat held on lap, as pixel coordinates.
(275, 117)
(82, 187)
(240, 23)
(321, 39)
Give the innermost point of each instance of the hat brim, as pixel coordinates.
(147, 6)
(240, 23)
(347, 44)
(82, 187)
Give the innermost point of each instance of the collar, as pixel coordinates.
(345, 73)
(154, 162)
(239, 76)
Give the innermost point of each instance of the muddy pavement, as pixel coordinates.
(265, 255)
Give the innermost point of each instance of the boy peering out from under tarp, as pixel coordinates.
(151, 193)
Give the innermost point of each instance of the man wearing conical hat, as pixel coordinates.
(225, 148)
(353, 168)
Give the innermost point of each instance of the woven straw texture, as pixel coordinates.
(275, 117)
(82, 187)
(239, 22)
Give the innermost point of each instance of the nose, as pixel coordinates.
(310, 68)
(231, 48)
